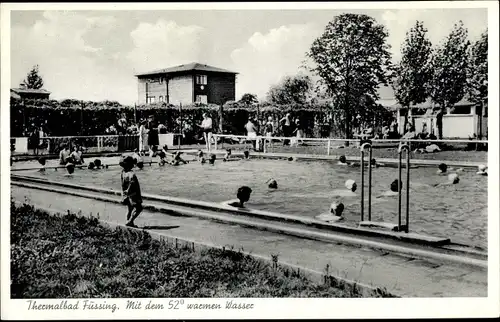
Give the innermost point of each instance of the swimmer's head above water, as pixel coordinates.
(394, 185)
(42, 160)
(243, 194)
(212, 158)
(351, 185)
(337, 208)
(482, 170)
(272, 184)
(70, 167)
(200, 154)
(453, 178)
(246, 154)
(342, 159)
(442, 168)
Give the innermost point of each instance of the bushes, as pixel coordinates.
(68, 256)
(72, 117)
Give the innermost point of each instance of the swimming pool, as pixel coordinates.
(306, 188)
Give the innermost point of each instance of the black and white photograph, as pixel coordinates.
(249, 160)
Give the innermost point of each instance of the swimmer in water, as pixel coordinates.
(393, 189)
(211, 159)
(227, 155)
(272, 184)
(70, 168)
(91, 165)
(482, 170)
(42, 161)
(163, 158)
(442, 168)
(350, 192)
(97, 163)
(246, 155)
(243, 195)
(453, 178)
(177, 159)
(200, 157)
(335, 214)
(375, 164)
(342, 160)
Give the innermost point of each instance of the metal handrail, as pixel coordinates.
(362, 148)
(400, 151)
(353, 140)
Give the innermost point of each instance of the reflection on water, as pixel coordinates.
(308, 188)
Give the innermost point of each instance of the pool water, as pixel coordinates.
(307, 189)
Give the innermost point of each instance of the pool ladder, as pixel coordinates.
(402, 148)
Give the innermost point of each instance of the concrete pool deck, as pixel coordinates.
(401, 275)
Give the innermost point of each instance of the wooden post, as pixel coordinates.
(135, 113)
(81, 118)
(221, 127)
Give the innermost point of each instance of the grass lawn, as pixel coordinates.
(69, 256)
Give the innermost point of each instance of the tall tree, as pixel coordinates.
(477, 81)
(291, 90)
(33, 79)
(413, 73)
(450, 68)
(352, 59)
(249, 99)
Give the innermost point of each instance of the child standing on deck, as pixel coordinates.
(131, 191)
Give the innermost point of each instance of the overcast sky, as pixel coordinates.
(93, 55)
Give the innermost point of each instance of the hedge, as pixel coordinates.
(74, 117)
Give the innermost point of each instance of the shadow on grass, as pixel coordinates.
(159, 227)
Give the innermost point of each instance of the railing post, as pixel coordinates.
(362, 185)
(328, 148)
(215, 139)
(370, 186)
(404, 147)
(408, 191)
(362, 166)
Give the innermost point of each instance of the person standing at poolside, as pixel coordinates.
(153, 139)
(269, 127)
(206, 126)
(299, 131)
(131, 191)
(286, 124)
(143, 137)
(251, 132)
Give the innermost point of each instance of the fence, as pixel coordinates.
(92, 144)
(330, 146)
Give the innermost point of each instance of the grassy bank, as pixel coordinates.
(68, 256)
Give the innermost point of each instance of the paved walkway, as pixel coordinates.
(400, 275)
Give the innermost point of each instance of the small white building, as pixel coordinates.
(466, 119)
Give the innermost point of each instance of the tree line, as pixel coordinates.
(352, 59)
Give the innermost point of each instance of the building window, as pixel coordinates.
(160, 99)
(201, 79)
(201, 99)
(151, 100)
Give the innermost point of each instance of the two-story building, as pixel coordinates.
(187, 84)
